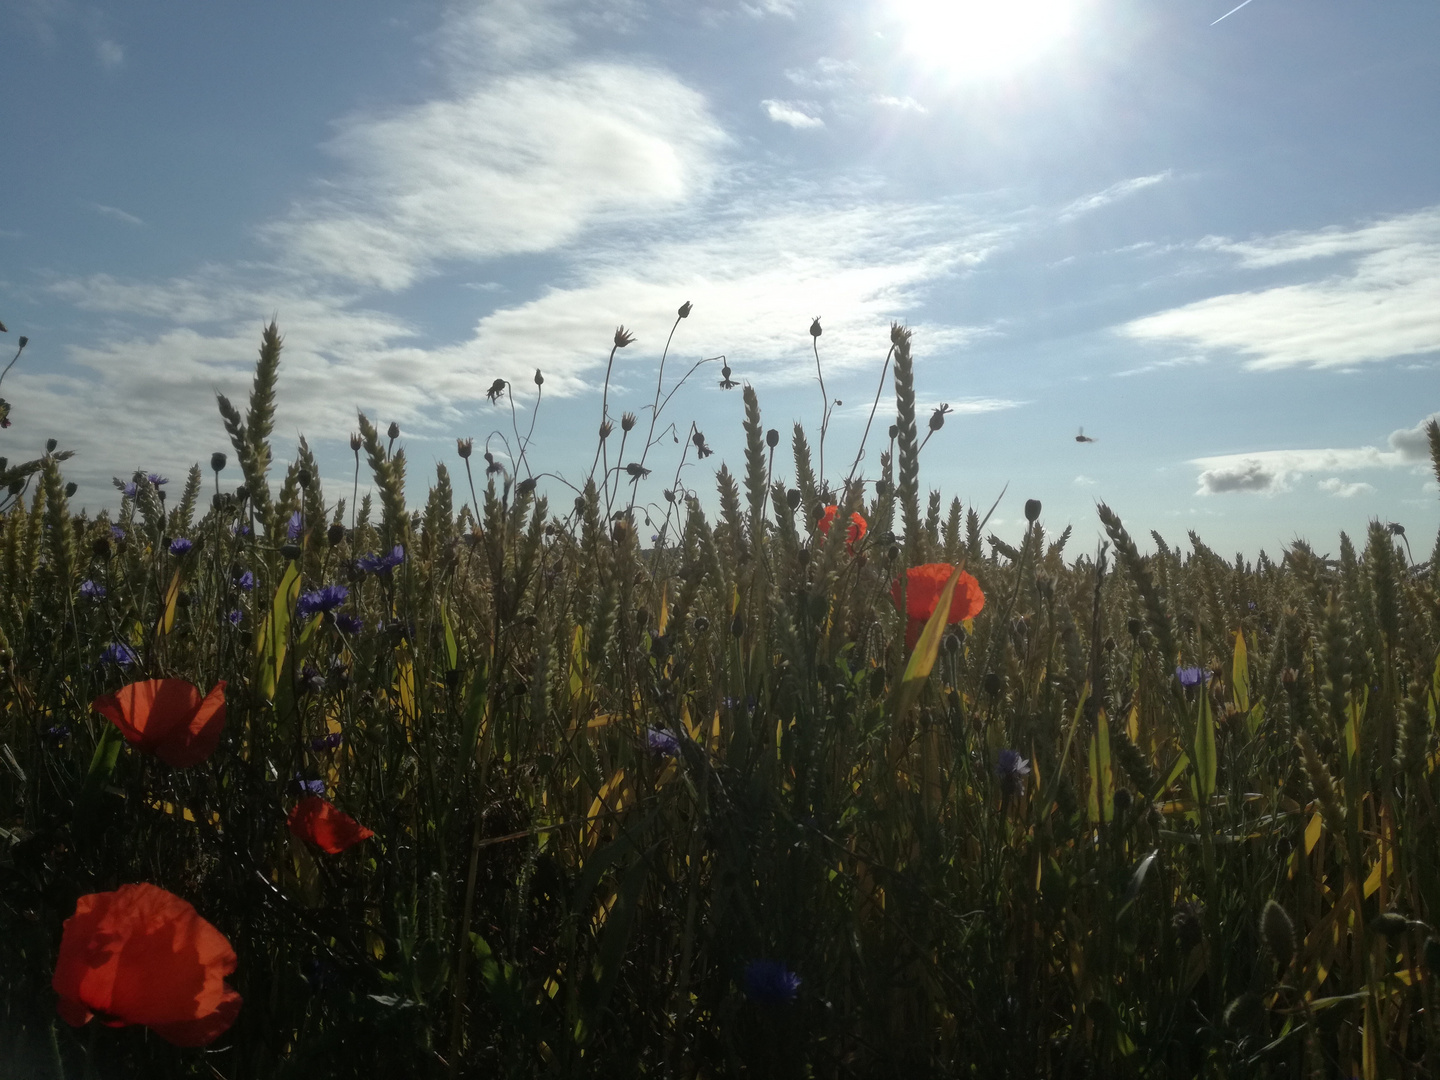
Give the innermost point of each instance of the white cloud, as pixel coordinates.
(522, 164)
(903, 104)
(116, 213)
(1270, 472)
(1114, 193)
(110, 54)
(1083, 481)
(827, 73)
(792, 113)
(1341, 490)
(1384, 307)
(1413, 443)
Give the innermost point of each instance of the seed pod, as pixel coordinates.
(393, 430)
(217, 461)
(335, 534)
(1390, 924)
(1032, 510)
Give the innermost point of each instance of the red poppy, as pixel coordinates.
(826, 520)
(167, 718)
(141, 955)
(855, 533)
(323, 825)
(922, 592)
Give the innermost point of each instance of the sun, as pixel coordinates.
(978, 39)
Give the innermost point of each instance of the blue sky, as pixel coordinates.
(1214, 245)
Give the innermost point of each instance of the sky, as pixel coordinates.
(1209, 238)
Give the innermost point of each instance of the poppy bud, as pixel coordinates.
(815, 327)
(290, 551)
(792, 499)
(772, 438)
(993, 683)
(71, 488)
(1032, 510)
(737, 625)
(393, 430)
(101, 548)
(894, 430)
(335, 534)
(2, 329)
(684, 311)
(579, 504)
(637, 470)
(24, 341)
(1134, 625)
(50, 445)
(242, 493)
(669, 495)
(539, 379)
(464, 447)
(627, 421)
(525, 487)
(217, 461)
(701, 624)
(302, 477)
(355, 442)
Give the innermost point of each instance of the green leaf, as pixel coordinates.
(452, 647)
(102, 767)
(1240, 673)
(1206, 762)
(274, 637)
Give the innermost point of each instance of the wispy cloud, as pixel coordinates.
(116, 213)
(792, 113)
(111, 54)
(1384, 307)
(1342, 490)
(1112, 194)
(521, 165)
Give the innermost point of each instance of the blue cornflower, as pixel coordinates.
(380, 564)
(57, 733)
(246, 581)
(237, 529)
(235, 616)
(91, 590)
(350, 624)
(118, 653)
(117, 533)
(769, 982)
(309, 787)
(327, 742)
(1191, 676)
(321, 600)
(157, 479)
(292, 530)
(1012, 769)
(180, 546)
(128, 490)
(662, 743)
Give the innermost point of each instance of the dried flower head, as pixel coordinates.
(606, 427)
(937, 418)
(623, 337)
(684, 311)
(356, 442)
(638, 471)
(815, 326)
(627, 421)
(497, 388)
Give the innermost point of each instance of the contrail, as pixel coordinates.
(1227, 14)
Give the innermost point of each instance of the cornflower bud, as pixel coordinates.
(24, 341)
(393, 431)
(525, 487)
(894, 430)
(539, 379)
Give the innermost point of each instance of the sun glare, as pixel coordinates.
(973, 39)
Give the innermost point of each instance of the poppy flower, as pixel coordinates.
(329, 829)
(922, 592)
(826, 520)
(141, 955)
(167, 718)
(855, 533)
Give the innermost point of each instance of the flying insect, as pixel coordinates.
(1082, 437)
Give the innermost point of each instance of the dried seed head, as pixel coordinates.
(623, 337)
(1278, 932)
(605, 429)
(356, 442)
(335, 534)
(792, 499)
(627, 421)
(937, 418)
(525, 487)
(465, 447)
(772, 438)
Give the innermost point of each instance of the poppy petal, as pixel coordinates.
(327, 827)
(198, 738)
(142, 955)
(167, 718)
